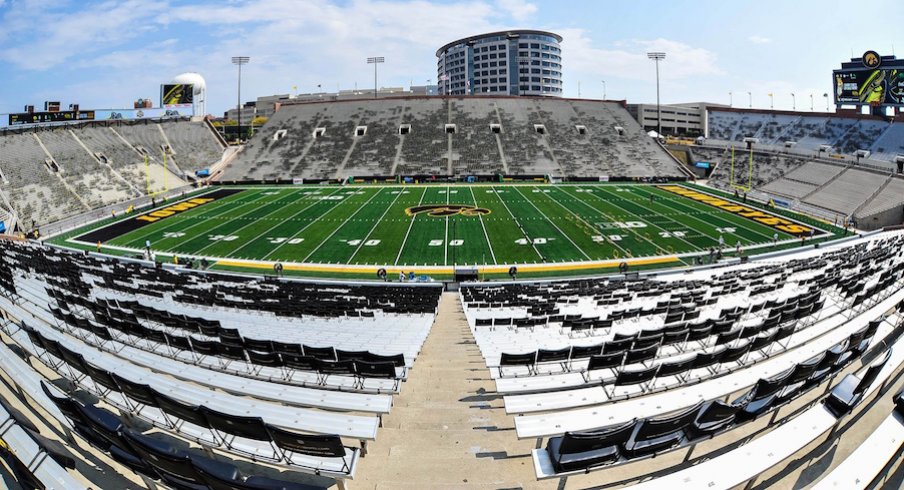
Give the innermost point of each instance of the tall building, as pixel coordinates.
(517, 62)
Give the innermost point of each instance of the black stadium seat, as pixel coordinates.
(582, 450)
(847, 394)
(660, 433)
(714, 417)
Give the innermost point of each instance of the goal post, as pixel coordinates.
(733, 180)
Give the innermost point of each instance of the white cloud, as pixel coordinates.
(759, 40)
(519, 10)
(628, 59)
(54, 35)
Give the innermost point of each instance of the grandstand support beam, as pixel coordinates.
(375, 60)
(239, 60)
(657, 56)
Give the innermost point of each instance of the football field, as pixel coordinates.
(396, 226)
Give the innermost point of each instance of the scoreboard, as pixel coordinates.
(870, 80)
(18, 119)
(176, 94)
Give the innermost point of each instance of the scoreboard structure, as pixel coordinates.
(176, 95)
(871, 80)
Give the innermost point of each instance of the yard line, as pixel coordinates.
(203, 220)
(214, 242)
(611, 218)
(281, 222)
(446, 240)
(554, 225)
(410, 225)
(305, 227)
(480, 217)
(590, 225)
(518, 223)
(374, 227)
(187, 216)
(691, 214)
(690, 204)
(614, 203)
(347, 220)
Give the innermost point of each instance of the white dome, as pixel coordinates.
(195, 79)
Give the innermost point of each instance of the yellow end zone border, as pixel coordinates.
(488, 269)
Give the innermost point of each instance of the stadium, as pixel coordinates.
(454, 291)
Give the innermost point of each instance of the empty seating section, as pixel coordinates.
(890, 197)
(766, 167)
(93, 181)
(36, 192)
(890, 144)
(288, 373)
(522, 145)
(458, 135)
(93, 165)
(688, 356)
(848, 191)
(192, 144)
(425, 147)
(825, 189)
(376, 149)
(814, 173)
(335, 133)
(807, 134)
(474, 146)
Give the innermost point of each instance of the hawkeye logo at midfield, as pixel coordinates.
(442, 210)
(174, 209)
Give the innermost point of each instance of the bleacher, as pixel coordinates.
(457, 135)
(809, 134)
(613, 371)
(57, 172)
(289, 374)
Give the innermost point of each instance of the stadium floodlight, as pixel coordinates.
(604, 90)
(729, 99)
(793, 102)
(826, 95)
(240, 60)
(375, 60)
(811, 102)
(749, 100)
(657, 56)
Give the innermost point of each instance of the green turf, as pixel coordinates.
(368, 225)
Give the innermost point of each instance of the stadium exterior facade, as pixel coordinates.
(516, 62)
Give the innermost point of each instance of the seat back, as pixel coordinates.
(136, 391)
(585, 351)
(642, 354)
(716, 411)
(590, 440)
(654, 427)
(180, 410)
(520, 359)
(546, 355)
(101, 377)
(635, 377)
(384, 370)
(326, 446)
(672, 368)
(605, 361)
(165, 458)
(237, 425)
(871, 373)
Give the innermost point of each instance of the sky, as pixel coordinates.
(106, 54)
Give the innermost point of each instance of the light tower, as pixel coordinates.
(657, 56)
(240, 60)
